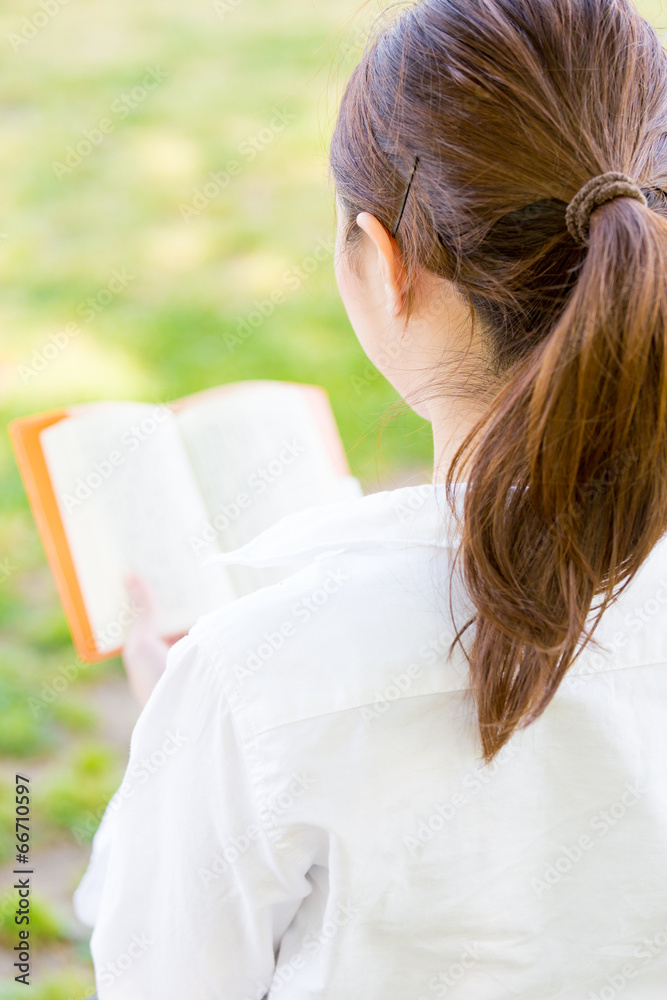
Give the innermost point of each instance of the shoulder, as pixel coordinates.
(360, 616)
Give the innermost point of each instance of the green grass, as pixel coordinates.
(75, 796)
(45, 925)
(67, 985)
(7, 815)
(40, 703)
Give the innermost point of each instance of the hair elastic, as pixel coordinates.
(595, 192)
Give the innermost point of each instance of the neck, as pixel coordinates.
(452, 420)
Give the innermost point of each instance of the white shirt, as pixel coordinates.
(304, 813)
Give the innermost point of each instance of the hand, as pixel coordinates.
(144, 654)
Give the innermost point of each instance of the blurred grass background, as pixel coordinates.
(68, 223)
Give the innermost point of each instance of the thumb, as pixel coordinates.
(144, 602)
(144, 652)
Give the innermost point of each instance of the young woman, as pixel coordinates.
(411, 770)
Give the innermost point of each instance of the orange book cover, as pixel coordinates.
(25, 433)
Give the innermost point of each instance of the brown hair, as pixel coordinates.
(511, 106)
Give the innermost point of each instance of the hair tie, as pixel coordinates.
(595, 192)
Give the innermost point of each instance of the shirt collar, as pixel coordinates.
(408, 516)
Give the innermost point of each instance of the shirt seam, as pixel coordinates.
(256, 733)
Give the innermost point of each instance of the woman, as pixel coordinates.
(411, 770)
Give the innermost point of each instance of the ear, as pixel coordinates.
(389, 262)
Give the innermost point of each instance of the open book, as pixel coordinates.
(126, 487)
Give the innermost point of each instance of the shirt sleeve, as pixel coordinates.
(188, 893)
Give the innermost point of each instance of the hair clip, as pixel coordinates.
(405, 196)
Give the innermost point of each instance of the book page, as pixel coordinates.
(129, 501)
(258, 454)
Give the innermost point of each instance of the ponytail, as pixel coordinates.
(567, 489)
